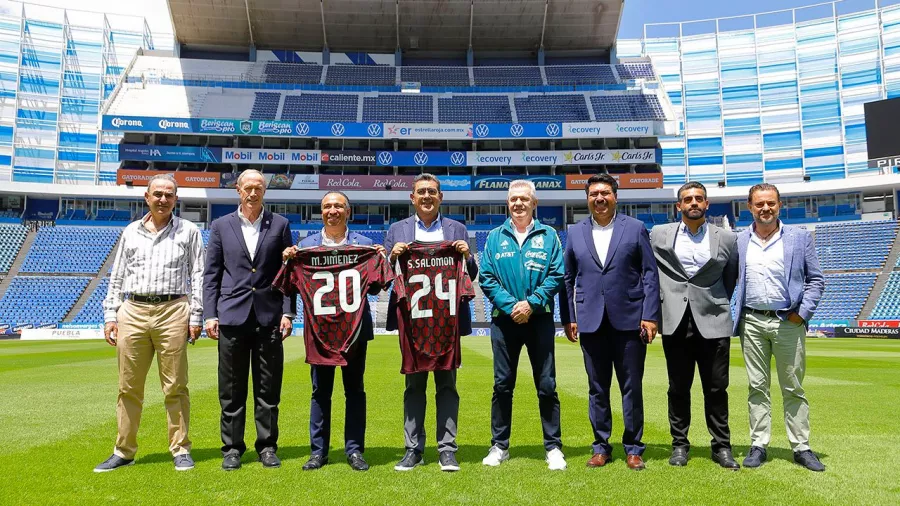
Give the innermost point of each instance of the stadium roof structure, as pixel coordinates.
(384, 25)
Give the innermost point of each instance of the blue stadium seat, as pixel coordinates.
(436, 76)
(474, 109)
(399, 108)
(12, 235)
(92, 310)
(265, 105)
(507, 76)
(640, 107)
(361, 75)
(48, 299)
(579, 74)
(636, 71)
(320, 107)
(303, 73)
(549, 108)
(66, 249)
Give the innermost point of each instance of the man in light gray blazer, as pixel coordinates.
(697, 273)
(779, 286)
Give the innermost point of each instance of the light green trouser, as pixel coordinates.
(762, 337)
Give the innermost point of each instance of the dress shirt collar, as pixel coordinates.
(597, 226)
(773, 238)
(682, 227)
(434, 227)
(246, 221)
(147, 217)
(327, 241)
(528, 229)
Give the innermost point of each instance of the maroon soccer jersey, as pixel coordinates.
(333, 282)
(432, 286)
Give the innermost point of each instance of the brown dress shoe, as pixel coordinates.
(635, 462)
(598, 460)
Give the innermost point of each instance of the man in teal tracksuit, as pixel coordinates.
(521, 271)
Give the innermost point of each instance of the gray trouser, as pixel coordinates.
(447, 400)
(762, 337)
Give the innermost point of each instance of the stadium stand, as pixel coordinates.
(506, 76)
(474, 109)
(549, 108)
(302, 73)
(320, 107)
(70, 249)
(265, 105)
(399, 108)
(361, 75)
(579, 74)
(636, 71)
(436, 76)
(627, 107)
(888, 303)
(845, 294)
(838, 245)
(11, 238)
(92, 310)
(49, 299)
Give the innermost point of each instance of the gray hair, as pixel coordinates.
(248, 172)
(522, 184)
(163, 177)
(426, 176)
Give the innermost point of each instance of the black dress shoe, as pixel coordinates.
(357, 462)
(269, 459)
(809, 460)
(725, 459)
(315, 462)
(231, 461)
(679, 456)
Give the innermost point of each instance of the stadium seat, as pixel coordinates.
(66, 249)
(11, 238)
(302, 73)
(320, 107)
(474, 109)
(49, 299)
(265, 105)
(399, 108)
(361, 75)
(550, 108)
(579, 74)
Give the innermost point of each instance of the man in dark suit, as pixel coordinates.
(427, 225)
(698, 265)
(335, 215)
(248, 317)
(612, 300)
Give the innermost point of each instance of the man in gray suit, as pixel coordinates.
(779, 287)
(697, 274)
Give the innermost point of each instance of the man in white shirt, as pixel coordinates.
(698, 265)
(779, 287)
(248, 317)
(159, 265)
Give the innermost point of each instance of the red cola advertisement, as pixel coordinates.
(339, 182)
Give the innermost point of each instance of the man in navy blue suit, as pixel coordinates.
(248, 317)
(428, 225)
(612, 292)
(335, 215)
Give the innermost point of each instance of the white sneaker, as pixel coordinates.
(556, 461)
(495, 456)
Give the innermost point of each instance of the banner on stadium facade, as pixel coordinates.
(455, 183)
(61, 334)
(598, 129)
(427, 131)
(305, 182)
(360, 158)
(577, 157)
(869, 332)
(271, 156)
(626, 181)
(421, 158)
(80, 326)
(879, 323)
(501, 183)
(148, 153)
(352, 130)
(826, 327)
(185, 179)
(341, 182)
(551, 215)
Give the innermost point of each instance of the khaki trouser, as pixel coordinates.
(145, 329)
(762, 337)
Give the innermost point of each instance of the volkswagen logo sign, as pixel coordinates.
(516, 130)
(458, 158)
(385, 158)
(482, 130)
(421, 158)
(374, 130)
(552, 130)
(302, 129)
(337, 129)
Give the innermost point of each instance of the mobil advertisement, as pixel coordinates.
(616, 129)
(501, 183)
(421, 158)
(143, 153)
(271, 156)
(629, 181)
(341, 182)
(427, 131)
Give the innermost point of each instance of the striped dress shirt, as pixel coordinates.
(166, 263)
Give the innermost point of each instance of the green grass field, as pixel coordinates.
(57, 421)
